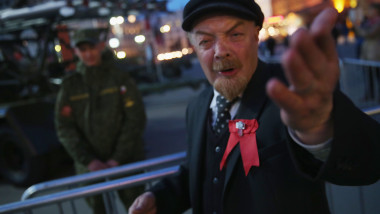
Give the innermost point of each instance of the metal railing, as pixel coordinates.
(81, 192)
(76, 180)
(70, 187)
(360, 80)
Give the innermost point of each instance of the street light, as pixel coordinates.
(139, 39)
(339, 5)
(66, 11)
(58, 48)
(121, 54)
(116, 20)
(131, 18)
(114, 43)
(165, 29)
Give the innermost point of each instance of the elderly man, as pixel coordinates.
(257, 145)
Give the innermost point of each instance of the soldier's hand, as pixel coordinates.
(112, 163)
(311, 66)
(144, 204)
(96, 165)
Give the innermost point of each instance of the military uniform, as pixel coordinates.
(100, 115)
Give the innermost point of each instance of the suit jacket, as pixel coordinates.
(289, 179)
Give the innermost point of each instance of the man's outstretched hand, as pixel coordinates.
(311, 66)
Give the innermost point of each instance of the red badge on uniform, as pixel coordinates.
(123, 89)
(243, 131)
(66, 111)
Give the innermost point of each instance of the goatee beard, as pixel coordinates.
(231, 88)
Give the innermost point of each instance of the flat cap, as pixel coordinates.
(196, 9)
(86, 36)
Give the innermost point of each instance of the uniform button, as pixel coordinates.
(217, 149)
(215, 180)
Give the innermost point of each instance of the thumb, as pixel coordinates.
(141, 203)
(145, 203)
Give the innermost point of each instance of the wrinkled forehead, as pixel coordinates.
(219, 20)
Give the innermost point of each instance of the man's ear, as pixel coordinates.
(257, 32)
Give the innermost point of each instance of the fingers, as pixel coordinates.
(144, 204)
(312, 54)
(321, 30)
(112, 163)
(306, 52)
(283, 97)
(311, 67)
(324, 22)
(96, 165)
(297, 71)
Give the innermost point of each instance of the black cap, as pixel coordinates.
(85, 36)
(247, 9)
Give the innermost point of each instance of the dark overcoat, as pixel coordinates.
(289, 179)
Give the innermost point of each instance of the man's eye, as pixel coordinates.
(203, 42)
(237, 34)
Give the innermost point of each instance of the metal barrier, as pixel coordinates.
(76, 180)
(104, 188)
(81, 192)
(359, 80)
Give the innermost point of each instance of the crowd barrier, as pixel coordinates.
(75, 187)
(360, 79)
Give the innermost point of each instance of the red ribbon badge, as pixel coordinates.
(66, 111)
(123, 89)
(243, 131)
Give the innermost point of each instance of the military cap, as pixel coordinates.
(246, 9)
(85, 36)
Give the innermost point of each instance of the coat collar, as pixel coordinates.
(252, 104)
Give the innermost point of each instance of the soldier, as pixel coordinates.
(100, 116)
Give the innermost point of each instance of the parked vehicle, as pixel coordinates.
(35, 54)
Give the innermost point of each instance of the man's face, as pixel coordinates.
(90, 54)
(227, 50)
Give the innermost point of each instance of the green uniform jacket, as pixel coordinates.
(100, 114)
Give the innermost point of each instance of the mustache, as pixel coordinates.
(226, 64)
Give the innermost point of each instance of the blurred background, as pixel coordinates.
(147, 39)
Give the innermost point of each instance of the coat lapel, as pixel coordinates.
(198, 150)
(252, 103)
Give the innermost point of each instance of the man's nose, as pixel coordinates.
(221, 50)
(87, 53)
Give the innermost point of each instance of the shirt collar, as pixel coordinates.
(214, 108)
(213, 101)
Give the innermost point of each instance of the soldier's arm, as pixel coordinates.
(130, 145)
(67, 131)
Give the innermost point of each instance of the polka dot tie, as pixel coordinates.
(223, 115)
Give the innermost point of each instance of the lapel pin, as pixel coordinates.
(240, 126)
